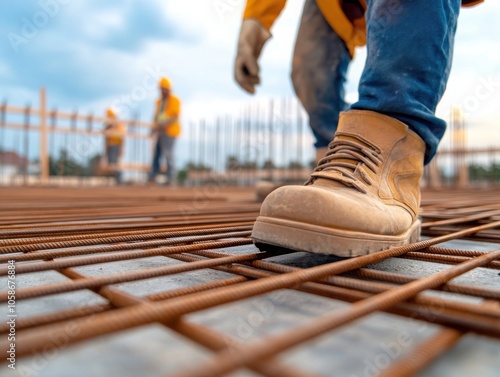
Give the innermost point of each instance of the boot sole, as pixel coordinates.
(271, 233)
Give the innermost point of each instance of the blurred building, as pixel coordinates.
(11, 165)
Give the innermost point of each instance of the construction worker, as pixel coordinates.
(114, 135)
(166, 130)
(364, 194)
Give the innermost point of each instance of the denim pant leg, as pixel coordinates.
(410, 47)
(168, 144)
(155, 165)
(319, 67)
(113, 154)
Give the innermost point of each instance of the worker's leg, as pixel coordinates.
(119, 177)
(155, 164)
(108, 156)
(364, 196)
(168, 144)
(113, 153)
(410, 47)
(320, 62)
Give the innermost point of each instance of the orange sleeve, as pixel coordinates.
(353, 33)
(175, 110)
(264, 11)
(470, 3)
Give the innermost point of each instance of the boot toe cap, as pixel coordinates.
(339, 208)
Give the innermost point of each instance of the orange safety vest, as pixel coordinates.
(172, 108)
(116, 133)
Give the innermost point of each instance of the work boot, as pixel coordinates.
(363, 196)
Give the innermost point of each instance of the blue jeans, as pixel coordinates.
(164, 148)
(112, 155)
(410, 48)
(320, 62)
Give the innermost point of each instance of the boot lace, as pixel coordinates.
(342, 159)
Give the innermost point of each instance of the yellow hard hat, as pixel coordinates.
(165, 83)
(110, 112)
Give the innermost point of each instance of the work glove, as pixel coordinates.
(252, 37)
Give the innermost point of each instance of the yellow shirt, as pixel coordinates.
(172, 108)
(115, 133)
(352, 32)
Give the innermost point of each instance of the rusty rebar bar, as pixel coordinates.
(423, 355)
(268, 347)
(72, 228)
(172, 309)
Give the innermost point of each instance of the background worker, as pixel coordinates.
(364, 195)
(114, 136)
(166, 130)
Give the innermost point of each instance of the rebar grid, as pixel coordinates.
(77, 233)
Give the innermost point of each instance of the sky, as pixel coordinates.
(91, 54)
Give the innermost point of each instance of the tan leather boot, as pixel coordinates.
(363, 196)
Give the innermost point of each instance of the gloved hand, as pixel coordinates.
(252, 37)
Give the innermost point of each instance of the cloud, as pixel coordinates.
(4, 69)
(82, 50)
(124, 25)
